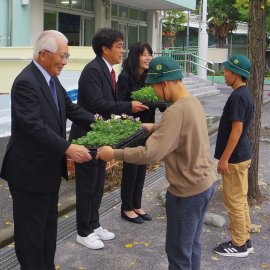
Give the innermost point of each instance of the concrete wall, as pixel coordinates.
(13, 60)
(21, 24)
(37, 19)
(4, 23)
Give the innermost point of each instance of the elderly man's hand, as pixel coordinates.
(78, 153)
(105, 153)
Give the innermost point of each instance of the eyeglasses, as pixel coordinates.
(63, 56)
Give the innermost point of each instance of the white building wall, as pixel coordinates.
(103, 14)
(37, 20)
(154, 31)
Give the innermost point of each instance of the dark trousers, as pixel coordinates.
(133, 177)
(185, 217)
(89, 191)
(35, 228)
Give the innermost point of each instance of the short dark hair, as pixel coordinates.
(132, 62)
(244, 79)
(105, 37)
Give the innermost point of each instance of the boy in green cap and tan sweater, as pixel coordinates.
(181, 139)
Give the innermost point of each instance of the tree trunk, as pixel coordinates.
(257, 50)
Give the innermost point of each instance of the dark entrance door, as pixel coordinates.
(69, 25)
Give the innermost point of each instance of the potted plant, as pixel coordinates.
(118, 132)
(148, 97)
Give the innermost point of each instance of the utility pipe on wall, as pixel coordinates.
(9, 23)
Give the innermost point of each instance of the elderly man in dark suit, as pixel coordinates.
(35, 158)
(97, 94)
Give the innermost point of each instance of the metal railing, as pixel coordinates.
(190, 62)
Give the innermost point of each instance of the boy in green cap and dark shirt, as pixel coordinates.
(181, 139)
(234, 154)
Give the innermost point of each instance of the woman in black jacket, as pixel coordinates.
(132, 78)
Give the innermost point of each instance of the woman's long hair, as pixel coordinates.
(132, 62)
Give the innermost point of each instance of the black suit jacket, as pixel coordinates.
(96, 94)
(35, 159)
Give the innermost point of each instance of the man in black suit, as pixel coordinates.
(97, 94)
(35, 158)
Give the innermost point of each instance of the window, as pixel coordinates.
(131, 22)
(69, 25)
(89, 5)
(142, 16)
(143, 33)
(76, 4)
(123, 12)
(49, 20)
(114, 25)
(114, 10)
(52, 2)
(89, 31)
(133, 14)
(132, 35)
(63, 3)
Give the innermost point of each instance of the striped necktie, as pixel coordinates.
(113, 80)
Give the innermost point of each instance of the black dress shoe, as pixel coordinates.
(144, 216)
(137, 220)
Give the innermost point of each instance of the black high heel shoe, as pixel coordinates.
(137, 220)
(144, 216)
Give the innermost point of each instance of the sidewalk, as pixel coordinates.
(142, 246)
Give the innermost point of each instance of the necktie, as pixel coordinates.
(53, 91)
(113, 80)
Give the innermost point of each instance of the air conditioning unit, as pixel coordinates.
(25, 2)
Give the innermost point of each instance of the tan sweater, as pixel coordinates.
(181, 139)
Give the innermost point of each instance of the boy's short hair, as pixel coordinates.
(163, 68)
(238, 64)
(105, 37)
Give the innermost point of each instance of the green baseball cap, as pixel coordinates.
(163, 68)
(238, 64)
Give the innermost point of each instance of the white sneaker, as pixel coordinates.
(91, 241)
(104, 234)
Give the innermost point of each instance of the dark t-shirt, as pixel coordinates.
(239, 107)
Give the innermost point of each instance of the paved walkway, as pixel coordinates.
(142, 246)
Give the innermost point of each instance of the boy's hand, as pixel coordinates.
(148, 126)
(222, 166)
(105, 153)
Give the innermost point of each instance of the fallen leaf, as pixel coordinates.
(265, 265)
(255, 228)
(129, 245)
(8, 223)
(215, 258)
